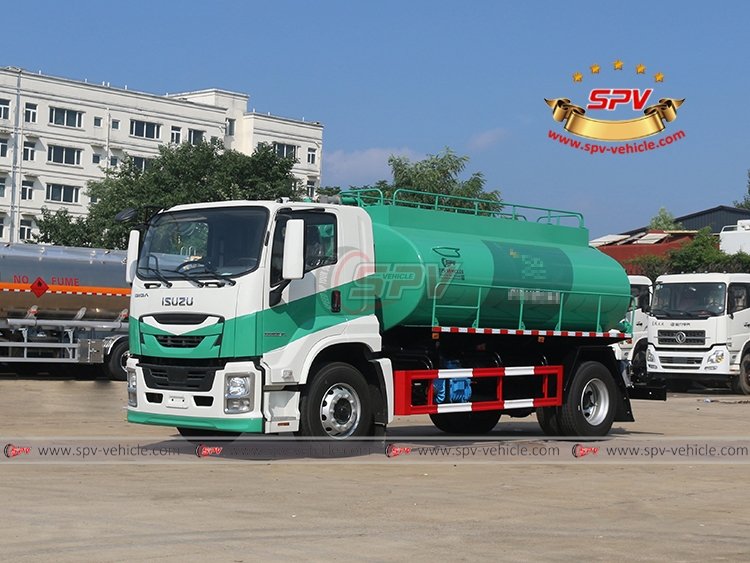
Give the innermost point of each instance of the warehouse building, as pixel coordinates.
(58, 134)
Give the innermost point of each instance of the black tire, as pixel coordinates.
(466, 423)
(638, 364)
(114, 368)
(741, 383)
(548, 421)
(590, 405)
(336, 404)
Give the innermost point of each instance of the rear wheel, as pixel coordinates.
(467, 423)
(590, 405)
(741, 383)
(336, 404)
(549, 421)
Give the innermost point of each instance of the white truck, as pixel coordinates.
(633, 349)
(735, 238)
(330, 319)
(63, 310)
(699, 330)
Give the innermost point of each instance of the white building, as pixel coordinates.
(58, 134)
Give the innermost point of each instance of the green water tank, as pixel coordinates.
(458, 269)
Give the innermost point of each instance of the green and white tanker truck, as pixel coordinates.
(329, 319)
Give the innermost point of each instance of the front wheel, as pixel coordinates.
(590, 405)
(741, 383)
(336, 404)
(117, 361)
(549, 421)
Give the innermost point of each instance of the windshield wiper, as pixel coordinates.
(207, 268)
(158, 274)
(187, 277)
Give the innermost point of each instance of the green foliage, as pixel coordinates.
(745, 203)
(437, 174)
(699, 255)
(180, 174)
(664, 221)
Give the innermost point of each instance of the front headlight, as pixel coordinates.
(132, 388)
(239, 393)
(716, 357)
(650, 357)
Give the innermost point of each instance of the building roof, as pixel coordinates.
(716, 218)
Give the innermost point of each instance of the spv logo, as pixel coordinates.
(609, 94)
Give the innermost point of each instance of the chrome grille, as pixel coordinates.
(681, 362)
(682, 337)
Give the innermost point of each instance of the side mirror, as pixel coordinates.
(134, 242)
(126, 215)
(293, 267)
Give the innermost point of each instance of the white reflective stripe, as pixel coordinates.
(454, 407)
(518, 404)
(451, 373)
(526, 370)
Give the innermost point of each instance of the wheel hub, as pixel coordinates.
(340, 411)
(595, 402)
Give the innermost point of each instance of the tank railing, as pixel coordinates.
(442, 287)
(361, 197)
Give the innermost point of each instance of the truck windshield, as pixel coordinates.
(680, 300)
(203, 244)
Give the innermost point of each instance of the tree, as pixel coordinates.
(437, 174)
(745, 203)
(664, 221)
(180, 174)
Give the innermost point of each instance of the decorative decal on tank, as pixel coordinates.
(527, 265)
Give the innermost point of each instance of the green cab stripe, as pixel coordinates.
(254, 425)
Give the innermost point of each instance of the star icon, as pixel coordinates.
(577, 77)
(640, 69)
(659, 77)
(618, 64)
(594, 69)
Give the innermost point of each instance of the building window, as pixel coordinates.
(284, 151)
(113, 161)
(115, 124)
(195, 137)
(2, 187)
(176, 135)
(2, 227)
(4, 109)
(29, 148)
(64, 155)
(311, 188)
(27, 190)
(96, 159)
(66, 117)
(97, 122)
(29, 115)
(311, 156)
(24, 232)
(3, 147)
(230, 127)
(140, 163)
(65, 194)
(145, 129)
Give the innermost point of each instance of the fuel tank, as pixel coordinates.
(63, 283)
(463, 270)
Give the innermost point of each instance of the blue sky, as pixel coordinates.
(414, 77)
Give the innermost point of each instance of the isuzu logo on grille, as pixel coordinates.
(680, 337)
(177, 301)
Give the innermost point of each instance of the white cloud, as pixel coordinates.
(358, 168)
(488, 138)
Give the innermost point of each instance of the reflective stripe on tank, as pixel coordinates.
(512, 332)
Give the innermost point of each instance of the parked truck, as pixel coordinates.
(633, 350)
(63, 310)
(699, 330)
(330, 319)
